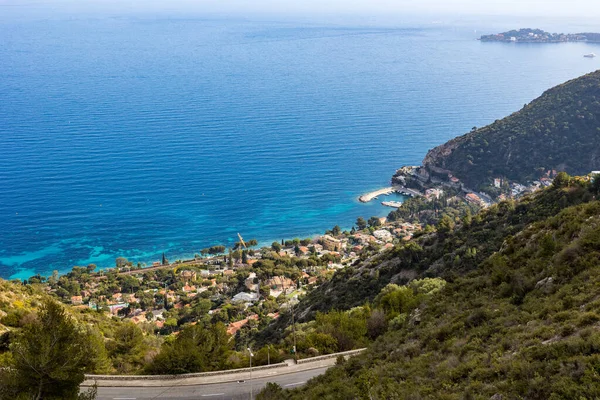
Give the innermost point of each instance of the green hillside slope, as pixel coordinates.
(520, 321)
(560, 130)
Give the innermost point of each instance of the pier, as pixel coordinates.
(367, 197)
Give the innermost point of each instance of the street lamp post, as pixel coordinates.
(251, 355)
(294, 333)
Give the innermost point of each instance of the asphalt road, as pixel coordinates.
(218, 391)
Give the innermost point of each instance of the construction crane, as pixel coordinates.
(242, 241)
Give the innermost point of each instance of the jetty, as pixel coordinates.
(394, 204)
(365, 198)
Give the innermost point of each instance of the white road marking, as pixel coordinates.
(213, 394)
(295, 384)
(124, 398)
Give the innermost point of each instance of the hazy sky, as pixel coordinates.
(582, 8)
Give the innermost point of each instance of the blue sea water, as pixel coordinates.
(125, 136)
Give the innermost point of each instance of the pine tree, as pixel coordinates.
(51, 355)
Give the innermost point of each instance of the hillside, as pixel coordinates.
(437, 254)
(16, 301)
(518, 318)
(558, 131)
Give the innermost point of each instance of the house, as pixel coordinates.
(330, 243)
(158, 314)
(234, 327)
(249, 282)
(114, 308)
(244, 297)
(383, 235)
(138, 319)
(228, 272)
(280, 283)
(318, 248)
(189, 275)
(303, 250)
(473, 198)
(130, 298)
(76, 300)
(433, 194)
(312, 280)
(188, 289)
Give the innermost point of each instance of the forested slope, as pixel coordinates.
(559, 130)
(518, 320)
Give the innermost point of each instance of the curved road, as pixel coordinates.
(218, 391)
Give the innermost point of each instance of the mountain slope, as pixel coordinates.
(444, 254)
(523, 322)
(559, 130)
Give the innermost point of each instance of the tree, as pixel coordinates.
(51, 355)
(196, 349)
(561, 180)
(446, 225)
(276, 246)
(171, 323)
(230, 260)
(121, 262)
(336, 231)
(361, 223)
(374, 222)
(595, 187)
(127, 337)
(272, 391)
(376, 324)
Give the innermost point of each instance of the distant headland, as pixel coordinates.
(527, 35)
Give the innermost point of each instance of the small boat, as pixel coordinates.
(591, 55)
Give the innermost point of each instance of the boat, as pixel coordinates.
(591, 55)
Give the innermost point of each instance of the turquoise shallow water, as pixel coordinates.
(134, 136)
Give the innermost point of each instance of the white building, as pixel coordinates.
(244, 297)
(383, 235)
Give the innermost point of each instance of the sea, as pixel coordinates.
(137, 135)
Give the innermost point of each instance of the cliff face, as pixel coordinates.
(560, 131)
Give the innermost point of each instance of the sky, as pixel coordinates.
(544, 8)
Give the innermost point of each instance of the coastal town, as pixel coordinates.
(248, 286)
(433, 183)
(539, 36)
(243, 288)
